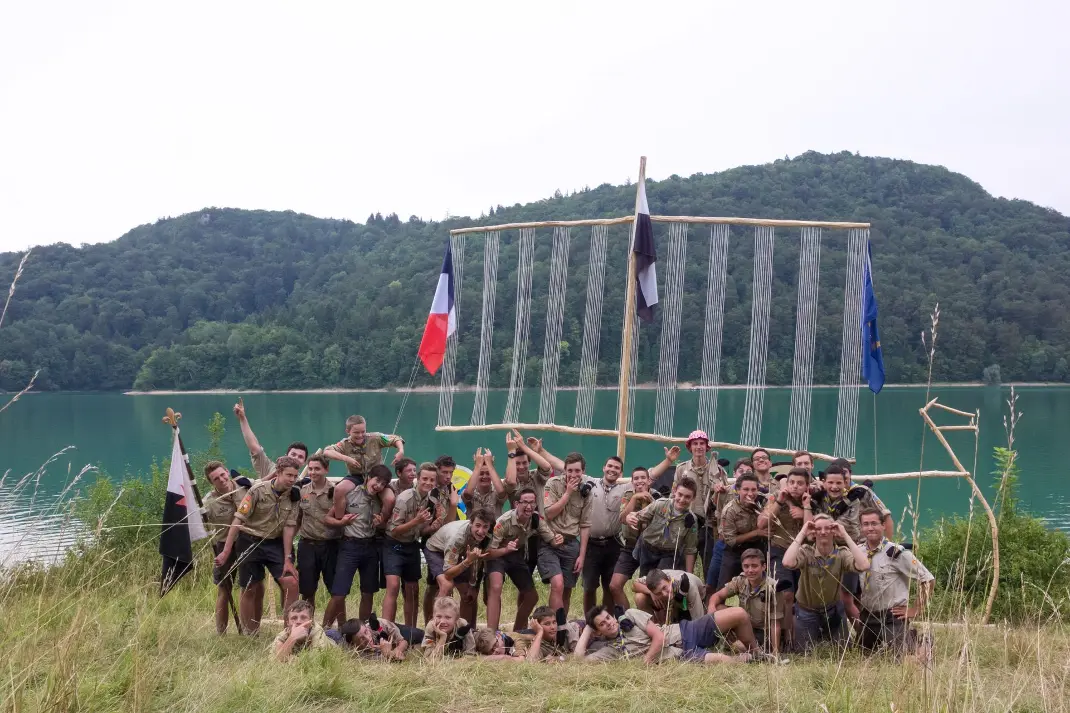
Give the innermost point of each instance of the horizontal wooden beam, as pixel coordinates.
(636, 436)
(770, 222)
(957, 428)
(697, 220)
(542, 224)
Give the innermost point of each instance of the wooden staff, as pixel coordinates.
(623, 393)
(171, 418)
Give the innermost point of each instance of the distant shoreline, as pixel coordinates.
(684, 386)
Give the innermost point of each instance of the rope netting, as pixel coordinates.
(802, 379)
(486, 332)
(449, 361)
(669, 358)
(555, 318)
(851, 356)
(523, 326)
(762, 292)
(712, 337)
(592, 328)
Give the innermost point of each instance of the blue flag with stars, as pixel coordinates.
(872, 358)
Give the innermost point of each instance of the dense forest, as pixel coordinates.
(277, 300)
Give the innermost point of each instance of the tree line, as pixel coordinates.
(227, 298)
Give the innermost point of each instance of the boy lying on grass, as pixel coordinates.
(300, 633)
(447, 634)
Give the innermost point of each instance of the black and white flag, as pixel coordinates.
(182, 523)
(646, 284)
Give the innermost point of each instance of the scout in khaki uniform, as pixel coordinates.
(636, 634)
(454, 555)
(886, 604)
(713, 489)
(378, 638)
(218, 510)
(742, 527)
(603, 542)
(547, 639)
(568, 513)
(317, 550)
(446, 495)
(527, 468)
(669, 532)
(358, 510)
(843, 504)
(509, 541)
(406, 470)
(300, 634)
(713, 568)
(262, 534)
(784, 516)
(360, 450)
(819, 609)
(670, 595)
(415, 514)
(634, 499)
(757, 595)
(262, 465)
(447, 634)
(485, 490)
(762, 464)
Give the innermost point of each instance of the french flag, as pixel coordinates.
(646, 282)
(442, 322)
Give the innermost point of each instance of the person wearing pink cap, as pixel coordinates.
(713, 490)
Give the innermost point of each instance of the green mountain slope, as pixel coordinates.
(234, 298)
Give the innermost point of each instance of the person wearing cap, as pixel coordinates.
(757, 594)
(713, 490)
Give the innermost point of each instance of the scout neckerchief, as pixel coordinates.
(871, 553)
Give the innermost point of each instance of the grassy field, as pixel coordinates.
(93, 635)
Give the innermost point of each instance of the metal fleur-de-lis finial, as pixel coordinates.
(171, 417)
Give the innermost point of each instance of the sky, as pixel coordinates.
(115, 114)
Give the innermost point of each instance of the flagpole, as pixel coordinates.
(623, 393)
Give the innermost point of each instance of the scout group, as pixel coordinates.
(806, 559)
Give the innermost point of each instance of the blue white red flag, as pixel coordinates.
(442, 322)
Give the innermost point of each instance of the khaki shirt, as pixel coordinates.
(665, 529)
(605, 503)
(852, 518)
(366, 454)
(820, 576)
(219, 511)
(886, 583)
(784, 527)
(738, 519)
(366, 506)
(458, 545)
(534, 478)
(549, 648)
(265, 513)
(696, 604)
(508, 528)
(435, 642)
(628, 533)
(475, 500)
(704, 476)
(438, 541)
(634, 643)
(576, 514)
(264, 466)
(762, 610)
(406, 507)
(317, 639)
(315, 504)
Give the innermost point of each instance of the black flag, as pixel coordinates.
(646, 284)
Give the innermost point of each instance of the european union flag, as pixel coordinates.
(872, 358)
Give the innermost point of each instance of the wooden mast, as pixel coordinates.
(623, 393)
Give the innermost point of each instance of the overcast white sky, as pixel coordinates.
(113, 114)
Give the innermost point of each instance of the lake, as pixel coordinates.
(121, 435)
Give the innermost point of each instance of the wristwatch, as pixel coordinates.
(512, 455)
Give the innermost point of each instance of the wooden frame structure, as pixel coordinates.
(621, 433)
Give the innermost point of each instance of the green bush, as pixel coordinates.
(1034, 576)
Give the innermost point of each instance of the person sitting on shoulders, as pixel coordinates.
(360, 450)
(301, 632)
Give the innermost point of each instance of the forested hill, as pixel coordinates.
(235, 298)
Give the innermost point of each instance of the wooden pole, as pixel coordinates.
(543, 224)
(623, 394)
(696, 219)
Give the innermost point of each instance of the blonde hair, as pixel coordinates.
(823, 516)
(486, 640)
(447, 604)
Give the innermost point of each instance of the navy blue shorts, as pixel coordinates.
(698, 635)
(316, 559)
(355, 555)
(255, 555)
(401, 559)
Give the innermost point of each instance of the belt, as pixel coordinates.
(373, 538)
(569, 538)
(312, 541)
(602, 540)
(822, 610)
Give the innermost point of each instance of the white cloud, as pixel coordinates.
(114, 114)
